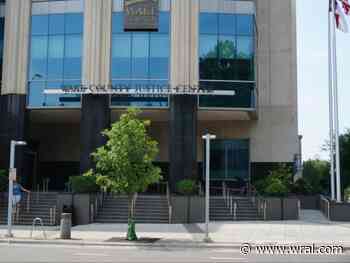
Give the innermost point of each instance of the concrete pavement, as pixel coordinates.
(312, 228)
(65, 254)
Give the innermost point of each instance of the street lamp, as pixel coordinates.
(207, 139)
(11, 178)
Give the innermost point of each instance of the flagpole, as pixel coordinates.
(336, 109)
(331, 108)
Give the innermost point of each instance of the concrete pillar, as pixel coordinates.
(14, 84)
(95, 115)
(183, 109)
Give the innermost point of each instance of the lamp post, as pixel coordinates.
(207, 139)
(12, 166)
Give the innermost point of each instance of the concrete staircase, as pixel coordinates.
(42, 205)
(149, 209)
(246, 210)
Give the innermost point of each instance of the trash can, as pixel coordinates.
(66, 226)
(69, 210)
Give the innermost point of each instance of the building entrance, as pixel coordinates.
(229, 162)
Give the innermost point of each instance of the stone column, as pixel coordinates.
(14, 85)
(95, 113)
(183, 109)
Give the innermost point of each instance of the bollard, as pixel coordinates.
(66, 225)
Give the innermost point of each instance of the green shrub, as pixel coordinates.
(301, 186)
(277, 183)
(3, 181)
(84, 184)
(276, 188)
(347, 194)
(186, 187)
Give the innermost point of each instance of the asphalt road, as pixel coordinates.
(64, 254)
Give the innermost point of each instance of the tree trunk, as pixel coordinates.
(131, 235)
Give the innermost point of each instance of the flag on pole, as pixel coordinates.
(342, 15)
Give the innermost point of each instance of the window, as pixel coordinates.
(56, 53)
(140, 58)
(226, 55)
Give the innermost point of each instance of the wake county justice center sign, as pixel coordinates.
(137, 90)
(141, 15)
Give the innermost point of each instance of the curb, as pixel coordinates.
(120, 244)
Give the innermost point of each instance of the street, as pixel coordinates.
(65, 254)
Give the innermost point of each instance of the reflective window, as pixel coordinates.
(55, 57)
(2, 32)
(140, 58)
(226, 55)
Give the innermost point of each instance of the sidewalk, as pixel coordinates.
(312, 228)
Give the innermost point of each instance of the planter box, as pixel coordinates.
(340, 211)
(84, 207)
(309, 201)
(273, 208)
(188, 209)
(290, 208)
(282, 208)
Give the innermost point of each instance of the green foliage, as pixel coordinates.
(84, 184)
(347, 194)
(3, 181)
(125, 164)
(276, 187)
(316, 175)
(278, 183)
(186, 187)
(344, 141)
(303, 187)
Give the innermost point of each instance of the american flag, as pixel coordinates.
(342, 14)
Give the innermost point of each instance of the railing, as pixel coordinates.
(228, 197)
(170, 207)
(325, 206)
(52, 212)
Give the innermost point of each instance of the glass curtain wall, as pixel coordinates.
(56, 51)
(140, 59)
(2, 34)
(226, 52)
(229, 161)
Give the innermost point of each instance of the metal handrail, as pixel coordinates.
(170, 207)
(328, 205)
(235, 211)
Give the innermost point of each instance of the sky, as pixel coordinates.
(312, 28)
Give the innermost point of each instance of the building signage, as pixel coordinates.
(137, 90)
(141, 15)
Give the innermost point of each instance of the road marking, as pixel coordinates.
(229, 259)
(91, 255)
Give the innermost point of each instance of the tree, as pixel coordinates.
(316, 174)
(125, 164)
(344, 147)
(344, 142)
(278, 183)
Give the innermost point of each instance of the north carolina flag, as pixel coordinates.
(342, 15)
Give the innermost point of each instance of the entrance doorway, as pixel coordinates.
(229, 163)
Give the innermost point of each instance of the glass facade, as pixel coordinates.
(2, 35)
(55, 53)
(229, 160)
(140, 59)
(226, 57)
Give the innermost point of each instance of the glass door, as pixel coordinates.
(229, 161)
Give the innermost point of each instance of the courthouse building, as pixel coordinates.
(247, 47)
